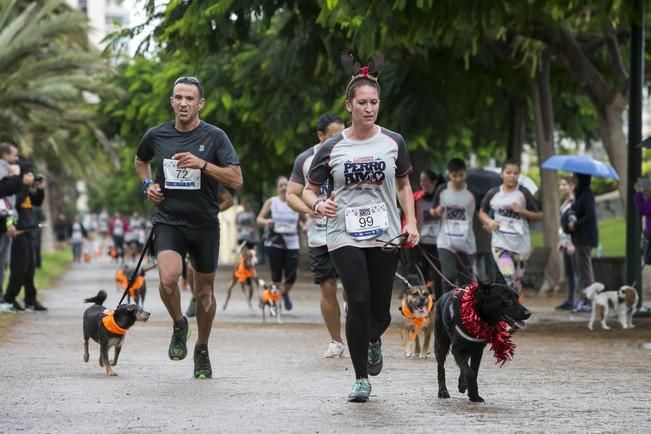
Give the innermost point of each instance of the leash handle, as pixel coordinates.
(132, 279)
(390, 246)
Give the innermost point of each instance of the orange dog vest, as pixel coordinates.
(418, 322)
(242, 273)
(269, 297)
(109, 322)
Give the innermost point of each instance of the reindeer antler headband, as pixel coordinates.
(358, 72)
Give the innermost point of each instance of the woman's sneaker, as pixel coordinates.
(335, 349)
(375, 358)
(361, 391)
(178, 349)
(287, 302)
(202, 368)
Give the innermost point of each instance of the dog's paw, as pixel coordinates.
(424, 355)
(86, 357)
(476, 398)
(462, 386)
(113, 363)
(590, 326)
(605, 327)
(408, 355)
(443, 393)
(101, 363)
(112, 374)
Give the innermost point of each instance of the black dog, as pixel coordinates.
(108, 328)
(488, 305)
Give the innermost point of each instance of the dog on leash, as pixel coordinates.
(624, 301)
(417, 309)
(270, 300)
(108, 328)
(138, 290)
(469, 318)
(245, 274)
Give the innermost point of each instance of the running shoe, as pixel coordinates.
(17, 307)
(375, 358)
(7, 307)
(35, 307)
(190, 312)
(287, 302)
(335, 349)
(361, 391)
(202, 368)
(566, 305)
(178, 349)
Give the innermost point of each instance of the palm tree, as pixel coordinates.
(50, 75)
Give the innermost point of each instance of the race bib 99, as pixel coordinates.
(366, 222)
(180, 179)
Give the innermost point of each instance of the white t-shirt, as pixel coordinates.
(456, 231)
(513, 234)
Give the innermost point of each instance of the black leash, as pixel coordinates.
(132, 279)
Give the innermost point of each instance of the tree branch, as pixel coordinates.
(617, 63)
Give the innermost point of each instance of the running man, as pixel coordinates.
(321, 265)
(506, 211)
(192, 158)
(369, 167)
(455, 205)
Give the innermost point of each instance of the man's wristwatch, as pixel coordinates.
(145, 185)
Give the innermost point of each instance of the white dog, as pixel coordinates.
(624, 301)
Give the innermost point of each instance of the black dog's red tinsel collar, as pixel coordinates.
(496, 335)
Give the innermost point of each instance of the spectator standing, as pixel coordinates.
(118, 226)
(585, 235)
(77, 235)
(566, 186)
(642, 199)
(10, 184)
(61, 232)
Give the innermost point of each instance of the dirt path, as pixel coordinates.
(271, 378)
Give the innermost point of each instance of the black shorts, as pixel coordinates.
(282, 260)
(321, 265)
(201, 244)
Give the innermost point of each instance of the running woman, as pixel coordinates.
(321, 265)
(367, 165)
(282, 242)
(192, 158)
(455, 205)
(506, 211)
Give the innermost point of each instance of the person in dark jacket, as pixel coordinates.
(585, 234)
(23, 257)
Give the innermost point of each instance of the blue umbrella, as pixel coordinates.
(580, 164)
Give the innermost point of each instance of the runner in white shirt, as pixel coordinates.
(506, 211)
(368, 167)
(321, 265)
(455, 205)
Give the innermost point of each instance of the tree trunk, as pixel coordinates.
(516, 128)
(611, 131)
(544, 128)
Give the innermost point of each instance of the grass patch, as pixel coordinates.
(612, 236)
(53, 265)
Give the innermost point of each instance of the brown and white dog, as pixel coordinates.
(418, 314)
(244, 273)
(624, 301)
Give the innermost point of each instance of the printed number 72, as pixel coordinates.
(181, 173)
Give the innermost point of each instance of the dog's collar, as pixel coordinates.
(465, 336)
(109, 322)
(418, 322)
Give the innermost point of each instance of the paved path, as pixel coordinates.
(271, 378)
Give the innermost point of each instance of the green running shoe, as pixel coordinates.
(178, 349)
(361, 391)
(202, 368)
(191, 308)
(375, 358)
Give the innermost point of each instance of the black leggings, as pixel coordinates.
(367, 276)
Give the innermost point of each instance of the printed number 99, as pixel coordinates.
(365, 222)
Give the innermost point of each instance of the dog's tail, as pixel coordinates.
(592, 290)
(98, 299)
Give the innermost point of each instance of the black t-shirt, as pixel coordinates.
(191, 197)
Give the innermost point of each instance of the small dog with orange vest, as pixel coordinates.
(138, 290)
(418, 314)
(108, 328)
(270, 299)
(244, 273)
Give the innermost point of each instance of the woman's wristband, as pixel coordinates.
(315, 207)
(205, 164)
